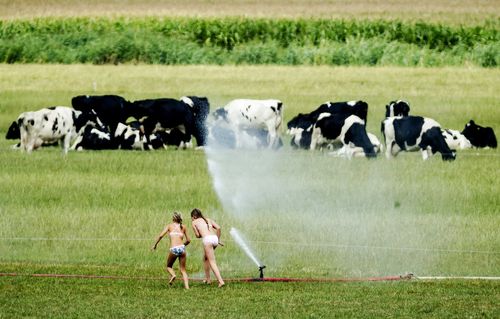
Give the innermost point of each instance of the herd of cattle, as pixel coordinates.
(102, 122)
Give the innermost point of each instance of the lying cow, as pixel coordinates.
(348, 129)
(480, 136)
(51, 125)
(129, 138)
(455, 140)
(397, 108)
(94, 138)
(246, 115)
(350, 150)
(414, 133)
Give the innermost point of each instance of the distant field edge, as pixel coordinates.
(246, 41)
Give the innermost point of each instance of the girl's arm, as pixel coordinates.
(162, 234)
(196, 232)
(217, 230)
(184, 230)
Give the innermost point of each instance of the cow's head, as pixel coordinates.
(300, 121)
(397, 108)
(356, 136)
(220, 114)
(13, 133)
(81, 102)
(85, 118)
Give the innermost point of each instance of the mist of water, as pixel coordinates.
(308, 214)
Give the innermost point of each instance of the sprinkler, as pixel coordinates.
(261, 272)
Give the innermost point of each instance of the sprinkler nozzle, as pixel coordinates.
(261, 271)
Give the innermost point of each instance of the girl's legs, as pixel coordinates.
(170, 262)
(182, 261)
(210, 255)
(206, 267)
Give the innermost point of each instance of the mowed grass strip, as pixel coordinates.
(447, 11)
(77, 298)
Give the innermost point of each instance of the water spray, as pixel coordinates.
(239, 240)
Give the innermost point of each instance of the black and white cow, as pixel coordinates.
(129, 138)
(350, 150)
(348, 129)
(397, 108)
(51, 125)
(479, 136)
(247, 115)
(188, 116)
(455, 139)
(111, 109)
(358, 108)
(95, 138)
(412, 133)
(301, 126)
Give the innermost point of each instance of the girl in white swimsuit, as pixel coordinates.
(205, 228)
(177, 233)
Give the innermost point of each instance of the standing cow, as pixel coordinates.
(246, 115)
(187, 115)
(414, 133)
(301, 126)
(348, 129)
(51, 125)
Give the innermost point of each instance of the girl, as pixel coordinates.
(209, 231)
(179, 239)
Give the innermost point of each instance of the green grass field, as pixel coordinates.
(308, 215)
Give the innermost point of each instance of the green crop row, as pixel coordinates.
(247, 41)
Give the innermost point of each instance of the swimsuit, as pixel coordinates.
(211, 240)
(178, 250)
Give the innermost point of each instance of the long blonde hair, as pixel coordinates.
(177, 218)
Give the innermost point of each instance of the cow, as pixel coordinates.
(221, 135)
(455, 139)
(54, 124)
(187, 115)
(479, 136)
(350, 150)
(300, 127)
(346, 128)
(243, 115)
(397, 108)
(412, 133)
(95, 138)
(358, 108)
(129, 138)
(111, 109)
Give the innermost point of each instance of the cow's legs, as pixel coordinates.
(65, 143)
(390, 150)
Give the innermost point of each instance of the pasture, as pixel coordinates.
(304, 214)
